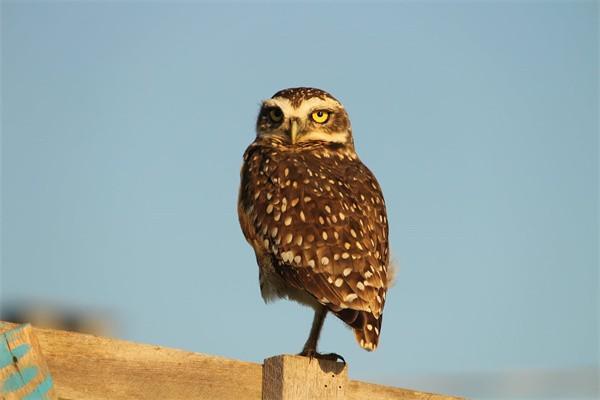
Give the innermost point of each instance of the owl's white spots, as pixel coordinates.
(302, 216)
(347, 271)
(328, 209)
(297, 259)
(288, 221)
(287, 256)
(288, 238)
(370, 327)
(324, 260)
(359, 246)
(324, 235)
(274, 231)
(269, 195)
(299, 239)
(276, 216)
(269, 208)
(376, 331)
(353, 233)
(311, 263)
(345, 255)
(347, 245)
(307, 199)
(286, 171)
(266, 243)
(321, 220)
(360, 286)
(294, 201)
(338, 282)
(351, 297)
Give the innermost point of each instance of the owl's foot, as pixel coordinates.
(320, 356)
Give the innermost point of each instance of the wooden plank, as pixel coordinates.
(90, 367)
(87, 367)
(23, 371)
(287, 377)
(358, 390)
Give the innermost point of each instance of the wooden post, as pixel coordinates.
(23, 371)
(287, 377)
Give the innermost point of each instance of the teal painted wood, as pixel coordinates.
(22, 373)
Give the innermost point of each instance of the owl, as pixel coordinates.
(315, 215)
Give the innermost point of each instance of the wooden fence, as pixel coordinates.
(50, 364)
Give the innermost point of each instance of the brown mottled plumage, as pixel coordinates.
(315, 214)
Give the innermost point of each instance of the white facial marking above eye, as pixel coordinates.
(340, 137)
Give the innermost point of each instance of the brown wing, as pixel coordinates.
(321, 216)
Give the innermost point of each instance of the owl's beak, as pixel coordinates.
(293, 130)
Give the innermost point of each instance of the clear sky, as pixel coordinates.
(124, 124)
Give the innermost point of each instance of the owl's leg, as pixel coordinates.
(310, 347)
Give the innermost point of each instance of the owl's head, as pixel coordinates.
(303, 116)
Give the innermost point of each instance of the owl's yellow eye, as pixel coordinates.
(276, 115)
(320, 116)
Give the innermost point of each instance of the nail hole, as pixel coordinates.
(15, 359)
(325, 385)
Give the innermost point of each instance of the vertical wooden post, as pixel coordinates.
(23, 371)
(288, 377)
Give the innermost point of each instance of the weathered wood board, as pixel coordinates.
(88, 367)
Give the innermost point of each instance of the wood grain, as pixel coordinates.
(288, 377)
(358, 390)
(90, 367)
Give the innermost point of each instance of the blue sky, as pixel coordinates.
(124, 123)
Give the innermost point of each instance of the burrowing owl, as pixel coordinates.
(315, 215)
